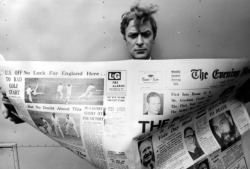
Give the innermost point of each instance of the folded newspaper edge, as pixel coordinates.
(124, 114)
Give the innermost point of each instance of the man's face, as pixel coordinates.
(139, 42)
(154, 105)
(146, 152)
(203, 166)
(222, 128)
(190, 140)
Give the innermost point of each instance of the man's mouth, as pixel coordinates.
(140, 50)
(147, 157)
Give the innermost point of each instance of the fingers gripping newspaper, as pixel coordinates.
(134, 114)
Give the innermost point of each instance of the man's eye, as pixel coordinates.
(133, 36)
(222, 122)
(146, 34)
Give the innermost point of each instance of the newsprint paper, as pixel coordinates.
(151, 114)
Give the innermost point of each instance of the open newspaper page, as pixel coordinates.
(208, 138)
(180, 99)
(108, 112)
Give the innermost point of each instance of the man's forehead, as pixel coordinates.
(219, 118)
(143, 27)
(154, 98)
(189, 132)
(145, 144)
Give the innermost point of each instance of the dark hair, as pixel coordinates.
(188, 128)
(204, 162)
(140, 15)
(153, 94)
(147, 139)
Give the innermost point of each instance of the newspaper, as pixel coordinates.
(136, 114)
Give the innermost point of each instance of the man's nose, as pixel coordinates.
(139, 41)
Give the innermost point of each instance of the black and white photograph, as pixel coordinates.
(153, 103)
(191, 142)
(127, 67)
(146, 152)
(62, 126)
(64, 91)
(224, 130)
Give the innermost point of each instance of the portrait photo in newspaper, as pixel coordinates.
(153, 103)
(78, 91)
(146, 152)
(191, 142)
(224, 130)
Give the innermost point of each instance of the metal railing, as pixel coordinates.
(13, 146)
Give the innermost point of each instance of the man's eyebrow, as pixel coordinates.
(133, 33)
(147, 30)
(222, 120)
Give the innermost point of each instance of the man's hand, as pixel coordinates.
(9, 114)
(243, 93)
(9, 111)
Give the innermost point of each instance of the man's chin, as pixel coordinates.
(147, 162)
(227, 140)
(140, 56)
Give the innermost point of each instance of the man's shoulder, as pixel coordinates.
(199, 151)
